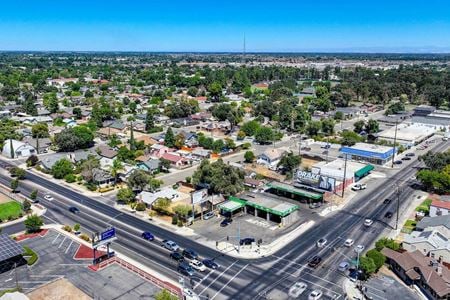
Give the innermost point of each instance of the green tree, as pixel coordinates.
(183, 210)
(264, 135)
(367, 265)
(77, 113)
(328, 126)
(218, 145)
(349, 138)
(76, 227)
(169, 138)
(33, 195)
(26, 205)
(88, 167)
(138, 179)
(62, 168)
(126, 195)
(359, 126)
(313, 128)
(165, 295)
(51, 102)
(377, 257)
(241, 135)
(372, 126)
(40, 130)
(17, 172)
(33, 223)
(164, 164)
(115, 169)
(339, 115)
(162, 205)
(149, 120)
(251, 127)
(215, 91)
(249, 156)
(71, 139)
(289, 162)
(14, 185)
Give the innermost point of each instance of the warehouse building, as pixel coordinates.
(408, 134)
(374, 154)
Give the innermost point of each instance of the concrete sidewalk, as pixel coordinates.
(351, 290)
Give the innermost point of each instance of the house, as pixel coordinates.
(439, 208)
(149, 198)
(200, 153)
(44, 143)
(431, 243)
(349, 112)
(116, 125)
(439, 223)
(48, 161)
(148, 140)
(158, 150)
(61, 82)
(69, 122)
(176, 160)
(102, 177)
(43, 112)
(253, 183)
(19, 149)
(151, 165)
(414, 268)
(270, 157)
(107, 155)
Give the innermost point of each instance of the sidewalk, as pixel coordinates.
(351, 290)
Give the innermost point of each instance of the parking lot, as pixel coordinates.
(56, 260)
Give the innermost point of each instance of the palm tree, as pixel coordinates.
(115, 169)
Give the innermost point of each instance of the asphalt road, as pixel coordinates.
(237, 278)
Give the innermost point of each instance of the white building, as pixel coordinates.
(21, 150)
(430, 243)
(408, 134)
(439, 208)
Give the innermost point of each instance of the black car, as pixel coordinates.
(388, 215)
(246, 241)
(74, 210)
(315, 261)
(226, 222)
(190, 254)
(410, 154)
(406, 158)
(387, 201)
(210, 263)
(185, 269)
(398, 162)
(176, 256)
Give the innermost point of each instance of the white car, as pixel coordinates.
(48, 197)
(197, 265)
(359, 186)
(315, 295)
(359, 248)
(368, 222)
(170, 245)
(343, 266)
(321, 243)
(349, 242)
(190, 294)
(297, 289)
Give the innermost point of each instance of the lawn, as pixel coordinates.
(10, 210)
(424, 206)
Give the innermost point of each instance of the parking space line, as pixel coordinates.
(27, 282)
(218, 277)
(68, 247)
(62, 242)
(54, 241)
(76, 265)
(204, 278)
(46, 275)
(231, 279)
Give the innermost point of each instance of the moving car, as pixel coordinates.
(315, 295)
(398, 162)
(406, 158)
(197, 265)
(359, 186)
(226, 222)
(297, 289)
(176, 256)
(147, 236)
(410, 154)
(343, 266)
(210, 263)
(388, 215)
(48, 197)
(368, 222)
(185, 269)
(74, 210)
(321, 243)
(246, 241)
(349, 242)
(315, 261)
(208, 215)
(359, 248)
(170, 245)
(190, 254)
(387, 201)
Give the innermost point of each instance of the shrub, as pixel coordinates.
(367, 265)
(180, 223)
(388, 243)
(33, 223)
(33, 257)
(26, 205)
(85, 237)
(76, 227)
(377, 257)
(246, 146)
(174, 219)
(70, 178)
(91, 186)
(67, 228)
(140, 206)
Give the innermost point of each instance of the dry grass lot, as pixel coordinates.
(60, 289)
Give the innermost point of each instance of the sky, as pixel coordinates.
(216, 26)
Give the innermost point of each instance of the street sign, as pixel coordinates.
(105, 237)
(110, 233)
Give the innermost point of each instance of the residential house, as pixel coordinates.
(201, 116)
(61, 82)
(148, 140)
(49, 160)
(439, 208)
(200, 153)
(431, 243)
(102, 177)
(149, 198)
(253, 183)
(44, 143)
(107, 155)
(439, 223)
(151, 165)
(69, 122)
(43, 112)
(19, 149)
(176, 161)
(270, 157)
(414, 268)
(158, 150)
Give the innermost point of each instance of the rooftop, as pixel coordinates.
(265, 202)
(9, 248)
(408, 132)
(441, 204)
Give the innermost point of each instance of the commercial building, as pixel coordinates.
(408, 134)
(340, 170)
(374, 154)
(430, 116)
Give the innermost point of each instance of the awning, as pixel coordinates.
(232, 205)
(282, 209)
(294, 190)
(364, 171)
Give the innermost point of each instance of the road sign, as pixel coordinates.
(110, 233)
(105, 237)
(199, 196)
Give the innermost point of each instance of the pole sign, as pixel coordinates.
(105, 237)
(199, 196)
(315, 180)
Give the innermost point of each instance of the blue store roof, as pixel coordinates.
(367, 153)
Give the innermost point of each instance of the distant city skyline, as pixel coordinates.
(200, 26)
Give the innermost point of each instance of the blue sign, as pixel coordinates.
(108, 234)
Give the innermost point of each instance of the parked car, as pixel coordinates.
(74, 210)
(246, 241)
(190, 294)
(226, 222)
(325, 146)
(185, 269)
(190, 254)
(315, 261)
(147, 236)
(197, 265)
(297, 289)
(349, 242)
(170, 245)
(315, 205)
(410, 154)
(359, 186)
(208, 215)
(398, 162)
(388, 215)
(315, 295)
(343, 266)
(321, 243)
(359, 248)
(48, 197)
(368, 222)
(210, 263)
(387, 201)
(406, 158)
(177, 256)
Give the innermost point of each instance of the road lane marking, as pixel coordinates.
(204, 278)
(54, 241)
(231, 279)
(220, 275)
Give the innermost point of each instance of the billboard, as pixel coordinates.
(199, 196)
(101, 238)
(315, 180)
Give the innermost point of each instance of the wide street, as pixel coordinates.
(240, 278)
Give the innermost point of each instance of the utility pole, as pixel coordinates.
(398, 206)
(395, 141)
(15, 275)
(239, 236)
(345, 174)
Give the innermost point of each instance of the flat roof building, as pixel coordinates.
(408, 134)
(337, 168)
(371, 153)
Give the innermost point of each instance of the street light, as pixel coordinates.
(358, 251)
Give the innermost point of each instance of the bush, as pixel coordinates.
(140, 206)
(26, 205)
(180, 223)
(367, 265)
(174, 220)
(388, 243)
(106, 189)
(33, 257)
(85, 237)
(70, 178)
(67, 228)
(425, 206)
(91, 186)
(33, 223)
(246, 146)
(76, 227)
(377, 257)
